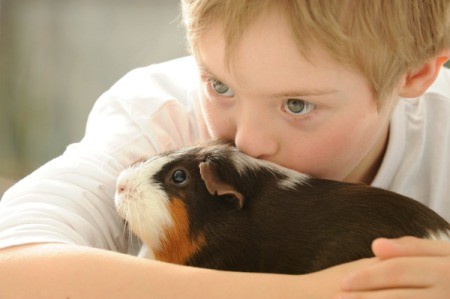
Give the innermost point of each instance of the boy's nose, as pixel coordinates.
(256, 137)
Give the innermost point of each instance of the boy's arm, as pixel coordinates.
(66, 271)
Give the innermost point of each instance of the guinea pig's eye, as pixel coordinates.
(179, 177)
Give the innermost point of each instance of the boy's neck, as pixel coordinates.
(366, 171)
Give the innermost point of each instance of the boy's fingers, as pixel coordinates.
(396, 273)
(409, 246)
(391, 294)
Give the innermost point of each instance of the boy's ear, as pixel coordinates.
(216, 186)
(416, 82)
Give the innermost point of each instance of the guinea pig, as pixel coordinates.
(212, 206)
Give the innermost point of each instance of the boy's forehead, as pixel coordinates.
(219, 69)
(267, 38)
(267, 63)
(214, 66)
(211, 56)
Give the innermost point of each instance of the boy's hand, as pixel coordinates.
(408, 268)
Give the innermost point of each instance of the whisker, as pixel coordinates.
(132, 235)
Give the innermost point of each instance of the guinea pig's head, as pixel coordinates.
(170, 200)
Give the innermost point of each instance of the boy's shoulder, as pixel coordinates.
(171, 77)
(417, 160)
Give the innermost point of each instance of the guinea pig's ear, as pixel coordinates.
(216, 186)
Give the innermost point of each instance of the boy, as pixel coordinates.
(347, 90)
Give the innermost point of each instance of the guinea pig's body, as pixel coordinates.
(214, 207)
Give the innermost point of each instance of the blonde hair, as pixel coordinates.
(382, 39)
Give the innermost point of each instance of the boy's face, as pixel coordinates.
(319, 118)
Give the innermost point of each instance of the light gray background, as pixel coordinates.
(58, 56)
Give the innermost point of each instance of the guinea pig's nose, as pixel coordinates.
(122, 187)
(126, 184)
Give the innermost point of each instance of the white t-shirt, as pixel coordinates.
(153, 109)
(417, 161)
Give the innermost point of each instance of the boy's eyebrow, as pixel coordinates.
(290, 94)
(204, 69)
(303, 93)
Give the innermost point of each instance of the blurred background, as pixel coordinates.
(58, 56)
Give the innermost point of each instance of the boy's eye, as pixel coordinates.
(221, 88)
(298, 107)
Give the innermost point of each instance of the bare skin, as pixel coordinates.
(66, 271)
(408, 268)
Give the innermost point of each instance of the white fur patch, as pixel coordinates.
(143, 202)
(440, 236)
(146, 253)
(244, 163)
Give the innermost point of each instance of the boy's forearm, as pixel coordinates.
(64, 271)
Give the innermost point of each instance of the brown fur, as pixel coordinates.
(233, 212)
(178, 246)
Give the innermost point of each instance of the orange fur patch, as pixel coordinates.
(177, 245)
